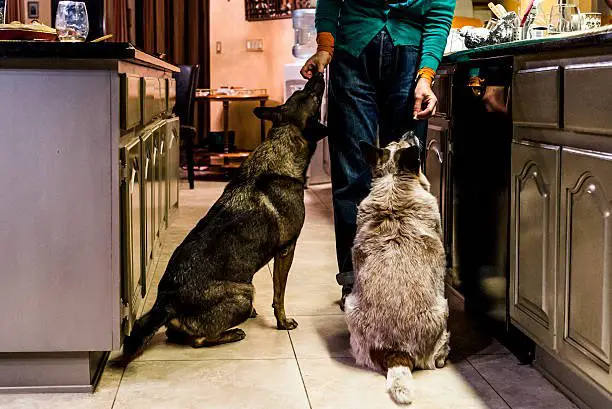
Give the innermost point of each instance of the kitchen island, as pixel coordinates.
(520, 157)
(88, 182)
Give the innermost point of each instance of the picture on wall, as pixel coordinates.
(33, 12)
(2, 11)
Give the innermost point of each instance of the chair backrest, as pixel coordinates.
(186, 82)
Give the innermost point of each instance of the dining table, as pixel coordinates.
(234, 95)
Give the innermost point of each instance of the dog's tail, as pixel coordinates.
(144, 329)
(399, 376)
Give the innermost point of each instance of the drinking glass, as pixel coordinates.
(71, 21)
(564, 18)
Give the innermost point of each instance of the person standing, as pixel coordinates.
(383, 55)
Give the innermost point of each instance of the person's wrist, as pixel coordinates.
(425, 75)
(325, 43)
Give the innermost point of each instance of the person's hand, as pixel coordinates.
(425, 102)
(494, 99)
(316, 63)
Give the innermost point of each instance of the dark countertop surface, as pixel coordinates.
(601, 37)
(25, 50)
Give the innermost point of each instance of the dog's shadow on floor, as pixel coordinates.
(467, 338)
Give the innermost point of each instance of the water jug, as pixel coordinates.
(305, 43)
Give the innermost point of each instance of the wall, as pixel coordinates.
(234, 66)
(44, 12)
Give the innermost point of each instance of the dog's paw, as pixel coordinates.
(253, 313)
(235, 334)
(288, 324)
(440, 363)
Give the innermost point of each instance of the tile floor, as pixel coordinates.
(309, 367)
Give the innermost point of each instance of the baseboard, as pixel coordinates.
(54, 372)
(47, 389)
(583, 392)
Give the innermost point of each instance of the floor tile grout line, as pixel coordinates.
(314, 191)
(118, 386)
(488, 383)
(212, 360)
(297, 361)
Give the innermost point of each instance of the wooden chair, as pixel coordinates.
(186, 82)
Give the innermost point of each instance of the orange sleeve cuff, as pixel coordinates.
(325, 42)
(427, 73)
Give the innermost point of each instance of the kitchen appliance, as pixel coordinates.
(478, 216)
(304, 46)
(305, 43)
(319, 171)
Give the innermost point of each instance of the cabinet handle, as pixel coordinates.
(133, 177)
(431, 147)
(171, 140)
(146, 169)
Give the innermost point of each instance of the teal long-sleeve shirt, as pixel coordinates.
(419, 23)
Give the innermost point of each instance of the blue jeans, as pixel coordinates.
(369, 96)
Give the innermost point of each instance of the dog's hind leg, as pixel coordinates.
(213, 326)
(442, 349)
(282, 264)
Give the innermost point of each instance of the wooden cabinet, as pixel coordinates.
(163, 177)
(533, 240)
(131, 102)
(131, 234)
(585, 282)
(535, 96)
(173, 164)
(435, 152)
(75, 274)
(590, 111)
(155, 163)
(147, 196)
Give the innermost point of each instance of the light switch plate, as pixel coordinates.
(219, 47)
(254, 45)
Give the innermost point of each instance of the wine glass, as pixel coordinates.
(71, 21)
(564, 18)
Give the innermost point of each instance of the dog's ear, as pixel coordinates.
(409, 159)
(315, 131)
(274, 114)
(372, 154)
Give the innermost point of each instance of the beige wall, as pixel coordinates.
(234, 66)
(44, 10)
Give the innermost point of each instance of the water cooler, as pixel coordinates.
(305, 45)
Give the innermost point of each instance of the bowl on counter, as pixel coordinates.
(34, 31)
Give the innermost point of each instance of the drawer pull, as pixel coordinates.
(431, 147)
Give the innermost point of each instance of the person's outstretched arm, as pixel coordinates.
(326, 22)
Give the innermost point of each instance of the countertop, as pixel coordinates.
(39, 50)
(599, 37)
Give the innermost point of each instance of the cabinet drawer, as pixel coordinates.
(151, 99)
(131, 108)
(588, 97)
(533, 240)
(171, 94)
(535, 97)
